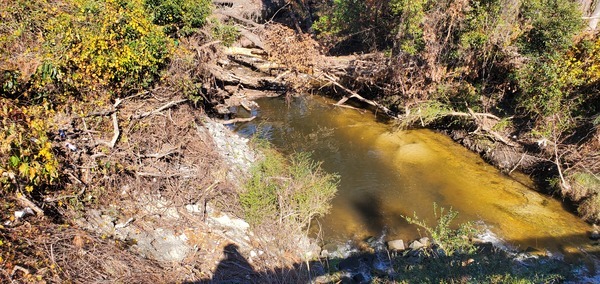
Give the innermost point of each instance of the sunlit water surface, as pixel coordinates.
(387, 173)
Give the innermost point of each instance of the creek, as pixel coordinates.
(387, 173)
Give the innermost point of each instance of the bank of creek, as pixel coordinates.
(387, 173)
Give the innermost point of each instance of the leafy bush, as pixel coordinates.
(448, 239)
(27, 160)
(108, 42)
(356, 23)
(179, 17)
(558, 87)
(347, 16)
(293, 191)
(552, 24)
(410, 28)
(227, 34)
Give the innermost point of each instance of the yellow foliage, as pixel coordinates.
(26, 153)
(109, 42)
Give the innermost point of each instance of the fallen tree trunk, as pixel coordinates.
(231, 77)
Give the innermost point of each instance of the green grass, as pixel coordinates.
(293, 190)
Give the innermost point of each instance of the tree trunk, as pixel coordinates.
(591, 8)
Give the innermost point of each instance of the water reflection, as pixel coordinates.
(387, 173)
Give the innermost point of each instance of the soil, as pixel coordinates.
(159, 204)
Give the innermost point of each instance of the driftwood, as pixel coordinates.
(115, 121)
(251, 52)
(27, 203)
(256, 64)
(239, 19)
(253, 38)
(165, 106)
(236, 120)
(480, 124)
(116, 132)
(474, 114)
(355, 95)
(161, 154)
(231, 77)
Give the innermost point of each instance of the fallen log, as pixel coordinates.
(231, 77)
(355, 95)
(256, 64)
(255, 39)
(165, 106)
(236, 120)
(252, 52)
(239, 19)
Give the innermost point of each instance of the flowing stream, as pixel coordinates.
(388, 173)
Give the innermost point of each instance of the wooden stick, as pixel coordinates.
(116, 131)
(47, 199)
(243, 20)
(27, 203)
(494, 133)
(159, 155)
(166, 106)
(350, 107)
(488, 115)
(235, 120)
(357, 96)
(198, 49)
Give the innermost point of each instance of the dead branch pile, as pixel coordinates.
(298, 52)
(69, 254)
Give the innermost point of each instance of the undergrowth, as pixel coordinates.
(288, 191)
(453, 257)
(450, 240)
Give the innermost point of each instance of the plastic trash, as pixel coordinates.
(71, 146)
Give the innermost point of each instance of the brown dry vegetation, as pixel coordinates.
(129, 155)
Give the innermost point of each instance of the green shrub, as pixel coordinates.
(112, 42)
(585, 187)
(27, 160)
(450, 240)
(552, 24)
(179, 17)
(291, 192)
(347, 16)
(227, 34)
(424, 114)
(410, 28)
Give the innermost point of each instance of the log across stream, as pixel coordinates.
(386, 173)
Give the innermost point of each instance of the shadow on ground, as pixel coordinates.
(487, 265)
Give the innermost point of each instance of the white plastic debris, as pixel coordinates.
(71, 146)
(24, 213)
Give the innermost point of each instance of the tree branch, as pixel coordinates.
(357, 96)
(165, 106)
(235, 120)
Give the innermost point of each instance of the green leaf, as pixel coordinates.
(14, 161)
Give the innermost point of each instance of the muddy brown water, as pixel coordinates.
(387, 173)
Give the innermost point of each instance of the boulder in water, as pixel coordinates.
(415, 245)
(396, 245)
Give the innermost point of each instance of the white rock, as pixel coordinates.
(193, 208)
(396, 245)
(424, 241)
(225, 221)
(416, 245)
